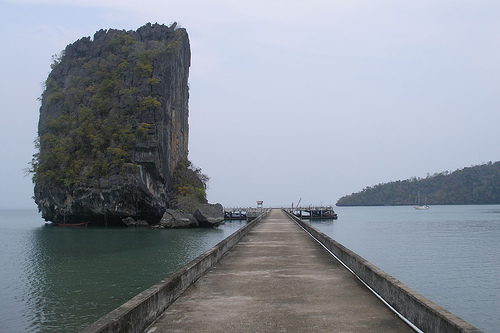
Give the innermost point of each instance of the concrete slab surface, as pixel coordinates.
(278, 279)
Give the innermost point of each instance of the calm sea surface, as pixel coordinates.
(449, 254)
(61, 280)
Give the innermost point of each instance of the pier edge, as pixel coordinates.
(417, 309)
(136, 314)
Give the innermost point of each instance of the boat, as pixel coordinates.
(419, 206)
(83, 224)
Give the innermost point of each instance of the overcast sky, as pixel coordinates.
(288, 99)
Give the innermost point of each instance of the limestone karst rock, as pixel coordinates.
(173, 219)
(113, 126)
(209, 215)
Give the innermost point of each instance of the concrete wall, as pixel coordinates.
(138, 313)
(426, 315)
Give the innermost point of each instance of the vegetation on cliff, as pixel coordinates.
(113, 125)
(96, 127)
(189, 187)
(468, 186)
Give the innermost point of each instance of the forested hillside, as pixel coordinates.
(468, 186)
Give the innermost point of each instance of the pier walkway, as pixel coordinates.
(278, 279)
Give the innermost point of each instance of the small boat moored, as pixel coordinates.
(83, 224)
(419, 206)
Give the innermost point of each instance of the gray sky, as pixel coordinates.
(288, 99)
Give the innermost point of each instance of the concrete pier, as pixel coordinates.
(278, 279)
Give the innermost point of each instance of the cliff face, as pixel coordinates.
(113, 126)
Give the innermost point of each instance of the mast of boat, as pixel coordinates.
(419, 206)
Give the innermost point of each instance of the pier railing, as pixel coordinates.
(136, 314)
(418, 310)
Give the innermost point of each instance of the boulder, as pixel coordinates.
(174, 219)
(209, 215)
(130, 222)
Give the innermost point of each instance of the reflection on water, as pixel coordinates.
(63, 279)
(449, 254)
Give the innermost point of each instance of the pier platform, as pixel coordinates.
(278, 279)
(311, 212)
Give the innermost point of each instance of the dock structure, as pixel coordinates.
(241, 213)
(278, 279)
(313, 212)
(279, 274)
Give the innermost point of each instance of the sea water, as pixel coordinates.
(62, 279)
(55, 279)
(449, 254)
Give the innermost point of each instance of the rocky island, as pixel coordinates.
(113, 130)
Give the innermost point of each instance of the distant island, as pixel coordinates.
(476, 185)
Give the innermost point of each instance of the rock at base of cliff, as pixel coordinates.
(209, 215)
(174, 219)
(130, 222)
